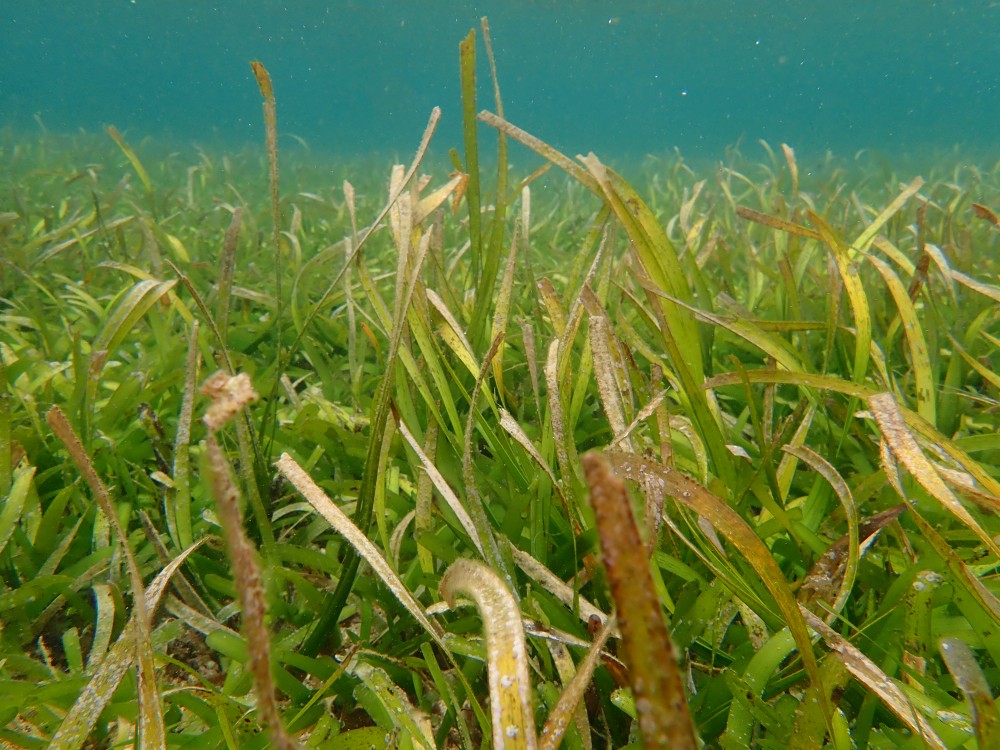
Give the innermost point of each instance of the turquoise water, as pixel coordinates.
(358, 77)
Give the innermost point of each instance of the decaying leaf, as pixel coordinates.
(511, 703)
(229, 394)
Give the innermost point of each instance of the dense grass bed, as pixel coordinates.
(752, 408)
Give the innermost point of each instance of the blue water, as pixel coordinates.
(357, 77)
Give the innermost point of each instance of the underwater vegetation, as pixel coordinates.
(519, 454)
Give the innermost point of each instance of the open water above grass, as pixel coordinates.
(903, 78)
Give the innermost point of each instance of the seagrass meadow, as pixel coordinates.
(509, 452)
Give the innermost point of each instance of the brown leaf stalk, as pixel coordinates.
(229, 395)
(151, 717)
(664, 718)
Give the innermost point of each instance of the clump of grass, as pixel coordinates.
(790, 370)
